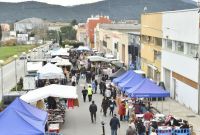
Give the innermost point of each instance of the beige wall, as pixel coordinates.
(111, 36)
(151, 25)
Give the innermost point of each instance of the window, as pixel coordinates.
(116, 46)
(158, 41)
(169, 44)
(104, 43)
(192, 49)
(179, 46)
(145, 39)
(157, 55)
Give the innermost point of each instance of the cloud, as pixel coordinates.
(59, 2)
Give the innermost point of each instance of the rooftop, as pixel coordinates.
(120, 26)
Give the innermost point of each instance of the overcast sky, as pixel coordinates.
(58, 2)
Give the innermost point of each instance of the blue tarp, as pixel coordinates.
(20, 118)
(123, 77)
(133, 81)
(147, 89)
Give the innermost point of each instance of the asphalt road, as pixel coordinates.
(78, 122)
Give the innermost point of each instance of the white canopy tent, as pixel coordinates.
(50, 71)
(109, 56)
(56, 59)
(64, 62)
(60, 52)
(83, 48)
(53, 90)
(98, 58)
(33, 66)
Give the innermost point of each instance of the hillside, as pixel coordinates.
(116, 9)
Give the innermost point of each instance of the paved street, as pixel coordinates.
(78, 120)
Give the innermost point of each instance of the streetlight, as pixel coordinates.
(25, 57)
(1, 64)
(15, 57)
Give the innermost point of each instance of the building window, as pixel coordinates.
(116, 46)
(169, 44)
(192, 49)
(158, 41)
(145, 39)
(104, 43)
(179, 46)
(157, 55)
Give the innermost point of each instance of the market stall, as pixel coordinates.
(118, 73)
(50, 71)
(123, 77)
(98, 59)
(21, 118)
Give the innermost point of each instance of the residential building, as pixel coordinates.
(180, 59)
(170, 53)
(90, 26)
(81, 33)
(55, 25)
(29, 24)
(115, 39)
(151, 44)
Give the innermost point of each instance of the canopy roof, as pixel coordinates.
(117, 63)
(123, 77)
(83, 48)
(118, 73)
(98, 59)
(56, 59)
(148, 89)
(130, 82)
(33, 66)
(109, 56)
(20, 118)
(53, 90)
(59, 52)
(50, 71)
(64, 62)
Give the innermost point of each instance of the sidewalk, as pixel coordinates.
(172, 107)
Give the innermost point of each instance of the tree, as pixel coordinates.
(60, 38)
(68, 32)
(0, 33)
(74, 22)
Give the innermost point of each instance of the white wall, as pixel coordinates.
(180, 64)
(181, 26)
(184, 95)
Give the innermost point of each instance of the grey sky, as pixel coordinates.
(58, 2)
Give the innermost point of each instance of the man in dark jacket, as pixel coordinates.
(93, 110)
(114, 125)
(84, 92)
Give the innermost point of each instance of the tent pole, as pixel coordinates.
(169, 107)
(157, 103)
(162, 105)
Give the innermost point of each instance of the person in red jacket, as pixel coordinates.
(148, 116)
(122, 110)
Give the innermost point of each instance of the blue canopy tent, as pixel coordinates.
(22, 121)
(133, 81)
(118, 73)
(123, 77)
(147, 89)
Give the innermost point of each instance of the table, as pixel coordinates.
(54, 128)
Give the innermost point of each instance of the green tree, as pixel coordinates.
(60, 38)
(0, 33)
(68, 32)
(74, 22)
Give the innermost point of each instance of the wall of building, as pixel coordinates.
(151, 24)
(151, 28)
(181, 27)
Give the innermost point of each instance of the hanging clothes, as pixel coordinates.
(70, 103)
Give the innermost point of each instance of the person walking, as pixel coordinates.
(114, 125)
(84, 92)
(122, 110)
(93, 110)
(104, 105)
(112, 105)
(89, 92)
(131, 130)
